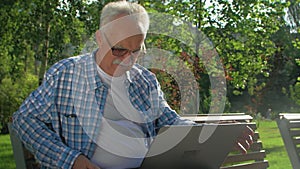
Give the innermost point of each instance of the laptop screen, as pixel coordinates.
(202, 146)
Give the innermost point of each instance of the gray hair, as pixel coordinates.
(113, 9)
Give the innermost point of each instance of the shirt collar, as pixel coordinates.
(133, 72)
(93, 80)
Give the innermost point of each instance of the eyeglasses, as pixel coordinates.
(119, 51)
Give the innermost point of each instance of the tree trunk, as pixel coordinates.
(44, 60)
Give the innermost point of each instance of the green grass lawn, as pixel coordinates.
(268, 131)
(6, 154)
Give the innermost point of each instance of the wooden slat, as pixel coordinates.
(295, 133)
(217, 114)
(256, 165)
(216, 118)
(252, 125)
(294, 124)
(290, 116)
(296, 140)
(256, 146)
(259, 156)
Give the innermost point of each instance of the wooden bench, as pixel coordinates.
(289, 127)
(254, 159)
(23, 158)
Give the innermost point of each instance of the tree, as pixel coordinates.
(292, 51)
(34, 35)
(241, 33)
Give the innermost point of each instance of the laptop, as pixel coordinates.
(192, 147)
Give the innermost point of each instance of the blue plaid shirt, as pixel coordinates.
(60, 120)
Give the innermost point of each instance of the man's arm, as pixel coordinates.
(30, 121)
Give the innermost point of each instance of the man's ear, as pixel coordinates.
(98, 35)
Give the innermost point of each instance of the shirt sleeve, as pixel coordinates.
(181, 121)
(30, 124)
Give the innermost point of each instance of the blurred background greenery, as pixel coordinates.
(257, 42)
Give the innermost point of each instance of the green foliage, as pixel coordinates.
(242, 38)
(13, 93)
(295, 89)
(284, 70)
(34, 35)
(241, 33)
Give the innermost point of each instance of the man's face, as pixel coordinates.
(123, 43)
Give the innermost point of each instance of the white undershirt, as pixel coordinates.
(121, 142)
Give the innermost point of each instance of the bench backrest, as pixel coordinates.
(23, 158)
(289, 127)
(255, 158)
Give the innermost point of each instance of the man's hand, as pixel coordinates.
(244, 141)
(82, 162)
